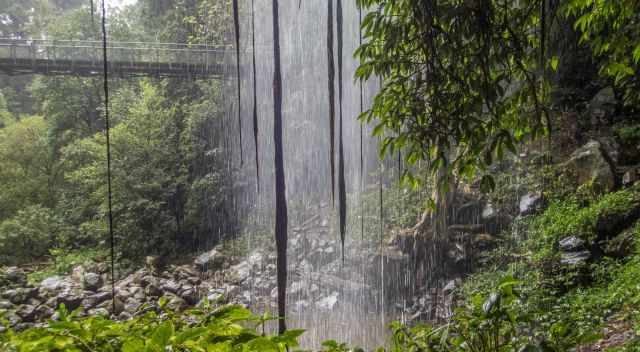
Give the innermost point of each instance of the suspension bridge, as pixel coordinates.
(85, 58)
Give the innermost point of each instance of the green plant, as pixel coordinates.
(610, 29)
(459, 87)
(28, 235)
(226, 328)
(629, 133)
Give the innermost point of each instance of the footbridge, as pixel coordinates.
(85, 58)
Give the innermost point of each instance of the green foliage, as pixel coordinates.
(459, 84)
(629, 134)
(610, 28)
(28, 235)
(571, 217)
(222, 329)
(491, 321)
(27, 169)
(558, 319)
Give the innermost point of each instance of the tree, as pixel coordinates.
(461, 80)
(28, 173)
(610, 28)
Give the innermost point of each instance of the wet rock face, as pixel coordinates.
(590, 164)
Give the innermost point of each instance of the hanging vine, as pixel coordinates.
(236, 27)
(331, 72)
(255, 94)
(342, 193)
(281, 201)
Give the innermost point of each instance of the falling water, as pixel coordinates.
(328, 298)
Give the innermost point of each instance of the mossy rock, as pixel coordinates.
(623, 244)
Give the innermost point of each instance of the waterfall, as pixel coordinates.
(348, 302)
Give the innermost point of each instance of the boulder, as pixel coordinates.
(99, 312)
(602, 105)
(20, 295)
(170, 286)
(574, 258)
(154, 262)
(621, 245)
(329, 302)
(209, 260)
(403, 240)
(91, 281)
(70, 300)
(132, 305)
(108, 306)
(15, 275)
(94, 300)
(571, 244)
(4, 305)
(484, 241)
(175, 303)
(189, 294)
(77, 273)
(27, 313)
(43, 312)
(589, 164)
(54, 284)
(531, 203)
(153, 290)
(488, 212)
(630, 177)
(613, 221)
(124, 315)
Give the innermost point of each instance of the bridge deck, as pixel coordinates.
(84, 58)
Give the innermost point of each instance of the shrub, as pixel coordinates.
(28, 235)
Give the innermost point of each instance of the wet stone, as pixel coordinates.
(575, 258)
(571, 244)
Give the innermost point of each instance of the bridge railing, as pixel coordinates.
(122, 54)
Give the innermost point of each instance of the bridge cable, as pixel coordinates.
(361, 135)
(107, 127)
